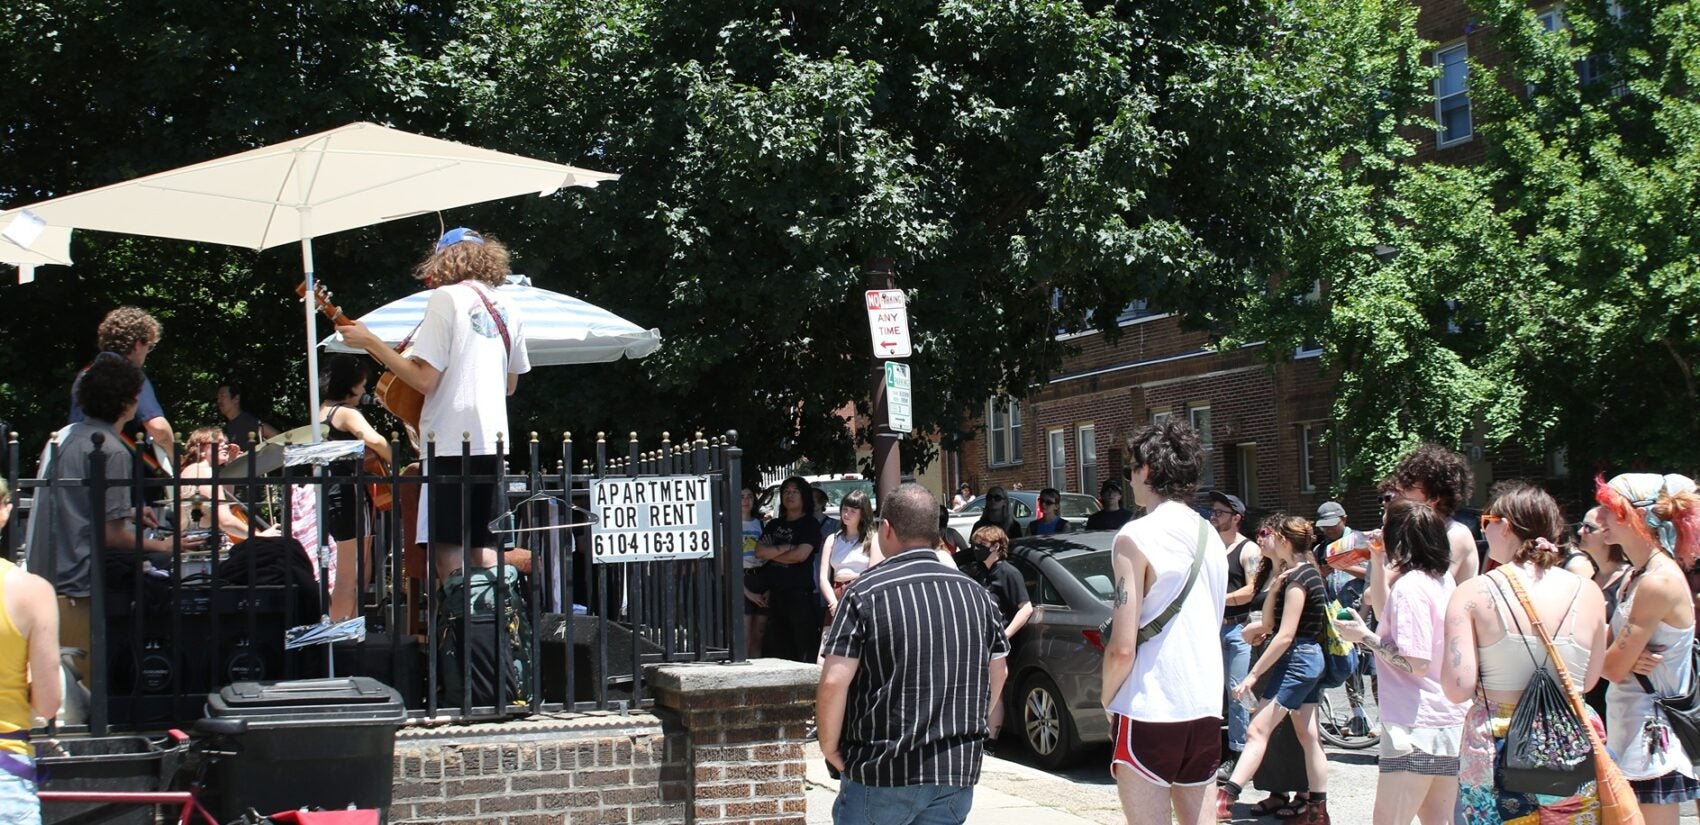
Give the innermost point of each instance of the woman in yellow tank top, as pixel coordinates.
(29, 643)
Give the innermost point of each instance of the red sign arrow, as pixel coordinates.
(888, 344)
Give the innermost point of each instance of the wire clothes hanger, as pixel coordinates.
(503, 523)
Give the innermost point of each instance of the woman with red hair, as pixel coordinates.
(1656, 520)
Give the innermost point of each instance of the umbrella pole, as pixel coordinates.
(310, 309)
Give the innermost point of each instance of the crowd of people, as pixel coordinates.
(1491, 669)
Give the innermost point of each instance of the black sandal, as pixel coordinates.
(1275, 802)
(1296, 808)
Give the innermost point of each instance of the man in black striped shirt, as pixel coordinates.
(915, 653)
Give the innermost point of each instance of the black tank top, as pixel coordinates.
(1237, 580)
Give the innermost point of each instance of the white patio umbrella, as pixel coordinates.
(352, 176)
(26, 244)
(559, 329)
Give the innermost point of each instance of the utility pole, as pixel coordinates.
(888, 458)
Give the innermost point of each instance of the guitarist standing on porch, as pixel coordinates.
(465, 358)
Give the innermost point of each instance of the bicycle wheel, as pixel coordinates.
(1348, 715)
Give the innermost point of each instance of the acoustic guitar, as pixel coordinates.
(397, 396)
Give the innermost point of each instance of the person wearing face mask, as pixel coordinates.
(990, 547)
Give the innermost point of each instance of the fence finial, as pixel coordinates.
(601, 437)
(634, 436)
(533, 436)
(732, 436)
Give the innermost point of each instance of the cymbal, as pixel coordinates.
(300, 435)
(264, 459)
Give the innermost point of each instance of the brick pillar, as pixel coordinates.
(744, 726)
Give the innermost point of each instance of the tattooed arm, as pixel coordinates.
(1458, 673)
(1130, 569)
(1389, 652)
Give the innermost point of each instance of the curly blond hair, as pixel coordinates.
(466, 261)
(125, 327)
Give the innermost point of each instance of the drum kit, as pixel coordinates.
(266, 458)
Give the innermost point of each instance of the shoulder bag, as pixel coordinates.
(1150, 629)
(1618, 805)
(1681, 711)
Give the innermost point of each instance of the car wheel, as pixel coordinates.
(1046, 725)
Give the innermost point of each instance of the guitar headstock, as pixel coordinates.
(322, 299)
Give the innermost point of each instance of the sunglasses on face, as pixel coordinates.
(1264, 533)
(1489, 518)
(1222, 513)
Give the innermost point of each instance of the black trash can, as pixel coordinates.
(325, 743)
(108, 763)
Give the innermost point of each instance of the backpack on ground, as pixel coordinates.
(491, 661)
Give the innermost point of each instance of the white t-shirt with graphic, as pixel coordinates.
(461, 340)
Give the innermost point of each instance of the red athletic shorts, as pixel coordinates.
(1168, 753)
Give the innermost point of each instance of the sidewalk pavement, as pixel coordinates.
(1012, 793)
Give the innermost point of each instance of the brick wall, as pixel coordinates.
(588, 769)
(744, 728)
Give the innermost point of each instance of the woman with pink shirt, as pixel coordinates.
(1421, 728)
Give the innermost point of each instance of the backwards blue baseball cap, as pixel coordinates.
(459, 234)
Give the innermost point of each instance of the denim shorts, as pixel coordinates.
(18, 802)
(1296, 678)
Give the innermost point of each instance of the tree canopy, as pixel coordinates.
(1546, 297)
(1028, 166)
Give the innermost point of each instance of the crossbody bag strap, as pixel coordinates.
(1557, 661)
(1150, 629)
(501, 323)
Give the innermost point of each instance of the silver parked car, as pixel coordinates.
(1055, 663)
(1024, 508)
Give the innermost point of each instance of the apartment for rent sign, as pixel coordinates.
(649, 519)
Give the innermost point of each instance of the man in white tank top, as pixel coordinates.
(1165, 695)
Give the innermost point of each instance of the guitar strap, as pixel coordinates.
(501, 323)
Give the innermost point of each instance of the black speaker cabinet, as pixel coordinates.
(586, 663)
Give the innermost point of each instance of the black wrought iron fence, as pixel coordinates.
(552, 627)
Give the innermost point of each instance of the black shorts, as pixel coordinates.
(482, 499)
(342, 517)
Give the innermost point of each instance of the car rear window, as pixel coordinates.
(1075, 505)
(1093, 570)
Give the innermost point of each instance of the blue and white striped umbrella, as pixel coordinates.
(559, 329)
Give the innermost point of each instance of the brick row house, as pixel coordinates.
(1266, 426)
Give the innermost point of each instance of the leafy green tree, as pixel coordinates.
(1028, 166)
(1547, 295)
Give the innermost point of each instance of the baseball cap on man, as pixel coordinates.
(1330, 514)
(459, 234)
(1232, 501)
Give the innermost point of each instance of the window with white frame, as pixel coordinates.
(1307, 442)
(1452, 96)
(1003, 432)
(1160, 416)
(1086, 446)
(1337, 449)
(1057, 447)
(1199, 416)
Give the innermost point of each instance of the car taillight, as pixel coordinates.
(1094, 638)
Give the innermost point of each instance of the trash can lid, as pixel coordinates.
(309, 702)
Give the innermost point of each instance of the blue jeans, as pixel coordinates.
(18, 803)
(1236, 664)
(860, 804)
